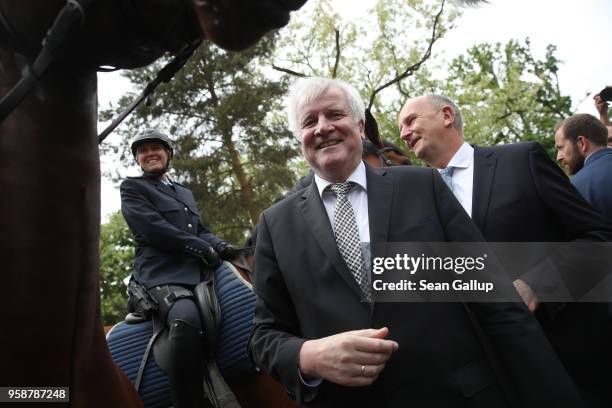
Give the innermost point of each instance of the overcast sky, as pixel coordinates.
(581, 30)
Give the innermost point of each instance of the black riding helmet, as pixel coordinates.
(153, 135)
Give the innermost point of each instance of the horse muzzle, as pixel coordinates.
(238, 24)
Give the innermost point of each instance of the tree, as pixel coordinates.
(232, 147)
(382, 62)
(116, 260)
(506, 94)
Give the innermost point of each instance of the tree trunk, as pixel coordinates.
(245, 187)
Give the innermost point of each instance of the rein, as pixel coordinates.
(69, 17)
(164, 75)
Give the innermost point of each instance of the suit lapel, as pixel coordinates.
(380, 194)
(169, 191)
(484, 173)
(316, 220)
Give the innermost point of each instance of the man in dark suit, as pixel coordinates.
(581, 142)
(316, 329)
(515, 193)
(172, 246)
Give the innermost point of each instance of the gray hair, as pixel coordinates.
(306, 90)
(440, 101)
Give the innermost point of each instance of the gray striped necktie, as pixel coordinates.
(347, 236)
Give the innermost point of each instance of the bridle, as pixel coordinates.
(371, 148)
(68, 19)
(72, 15)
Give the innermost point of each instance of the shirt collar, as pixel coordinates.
(463, 157)
(358, 176)
(595, 154)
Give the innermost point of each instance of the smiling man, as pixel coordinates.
(318, 329)
(172, 246)
(516, 193)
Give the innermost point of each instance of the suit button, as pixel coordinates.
(186, 209)
(189, 225)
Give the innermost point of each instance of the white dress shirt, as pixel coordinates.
(463, 176)
(358, 198)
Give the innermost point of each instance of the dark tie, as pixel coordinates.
(347, 236)
(447, 176)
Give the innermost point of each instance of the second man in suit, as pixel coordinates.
(516, 193)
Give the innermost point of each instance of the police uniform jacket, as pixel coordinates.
(170, 238)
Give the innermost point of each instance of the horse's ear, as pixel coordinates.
(371, 129)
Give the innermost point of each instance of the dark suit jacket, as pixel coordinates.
(594, 182)
(170, 238)
(305, 291)
(521, 195)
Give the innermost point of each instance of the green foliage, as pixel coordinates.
(506, 94)
(232, 147)
(116, 259)
(399, 41)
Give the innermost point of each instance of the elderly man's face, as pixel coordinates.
(568, 153)
(152, 157)
(422, 128)
(331, 137)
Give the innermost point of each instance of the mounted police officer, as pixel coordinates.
(172, 248)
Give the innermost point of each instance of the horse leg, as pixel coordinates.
(50, 218)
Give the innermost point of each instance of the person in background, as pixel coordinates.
(602, 107)
(581, 142)
(516, 193)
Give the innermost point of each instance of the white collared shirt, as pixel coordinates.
(463, 176)
(358, 198)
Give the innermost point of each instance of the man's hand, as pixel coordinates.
(353, 359)
(602, 107)
(528, 296)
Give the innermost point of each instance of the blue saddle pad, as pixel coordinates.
(127, 342)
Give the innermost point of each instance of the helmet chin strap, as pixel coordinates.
(153, 174)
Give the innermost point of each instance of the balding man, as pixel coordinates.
(516, 193)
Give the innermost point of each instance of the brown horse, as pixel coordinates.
(50, 210)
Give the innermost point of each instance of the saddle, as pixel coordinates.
(131, 343)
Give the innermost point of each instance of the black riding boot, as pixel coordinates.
(185, 370)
